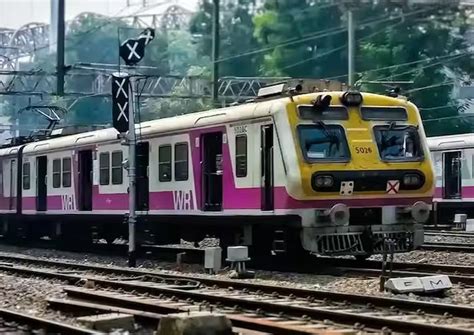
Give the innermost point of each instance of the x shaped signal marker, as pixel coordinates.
(147, 35)
(132, 49)
(122, 112)
(120, 88)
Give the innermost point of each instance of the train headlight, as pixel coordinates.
(351, 98)
(412, 179)
(324, 181)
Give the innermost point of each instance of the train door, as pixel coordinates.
(452, 176)
(142, 196)
(41, 183)
(85, 180)
(266, 150)
(13, 184)
(212, 170)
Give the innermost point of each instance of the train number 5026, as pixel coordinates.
(363, 150)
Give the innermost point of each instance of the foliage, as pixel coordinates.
(296, 38)
(236, 36)
(428, 43)
(304, 38)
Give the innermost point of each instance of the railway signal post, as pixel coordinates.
(131, 51)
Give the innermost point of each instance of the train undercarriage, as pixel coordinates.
(265, 236)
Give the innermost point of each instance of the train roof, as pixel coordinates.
(145, 129)
(451, 142)
(251, 110)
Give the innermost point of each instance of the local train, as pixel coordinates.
(329, 172)
(453, 158)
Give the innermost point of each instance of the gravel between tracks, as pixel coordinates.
(28, 295)
(433, 257)
(360, 285)
(449, 239)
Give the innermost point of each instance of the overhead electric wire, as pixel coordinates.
(422, 88)
(309, 37)
(426, 66)
(337, 49)
(449, 117)
(437, 107)
(405, 64)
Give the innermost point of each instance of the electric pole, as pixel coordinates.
(60, 48)
(215, 51)
(132, 52)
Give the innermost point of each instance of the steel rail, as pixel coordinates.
(457, 310)
(337, 316)
(48, 325)
(251, 324)
(410, 305)
(439, 246)
(462, 234)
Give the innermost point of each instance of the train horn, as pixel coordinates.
(420, 211)
(339, 214)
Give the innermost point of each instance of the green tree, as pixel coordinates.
(303, 38)
(236, 36)
(422, 49)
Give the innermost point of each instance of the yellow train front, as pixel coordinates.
(360, 172)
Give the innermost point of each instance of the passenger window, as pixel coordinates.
(56, 173)
(181, 161)
(67, 172)
(164, 163)
(117, 174)
(104, 168)
(241, 156)
(26, 176)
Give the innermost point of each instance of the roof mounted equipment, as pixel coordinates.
(351, 98)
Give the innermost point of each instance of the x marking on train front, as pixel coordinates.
(393, 186)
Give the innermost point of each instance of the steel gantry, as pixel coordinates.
(23, 42)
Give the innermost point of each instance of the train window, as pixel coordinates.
(321, 142)
(398, 143)
(117, 172)
(164, 163)
(384, 113)
(308, 112)
(241, 156)
(56, 173)
(104, 168)
(26, 176)
(67, 172)
(181, 161)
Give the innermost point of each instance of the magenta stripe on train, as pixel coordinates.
(466, 192)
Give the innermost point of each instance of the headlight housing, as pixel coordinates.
(412, 181)
(324, 181)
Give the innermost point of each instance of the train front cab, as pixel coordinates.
(366, 168)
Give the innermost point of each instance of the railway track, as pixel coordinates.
(259, 307)
(452, 247)
(17, 323)
(463, 234)
(457, 273)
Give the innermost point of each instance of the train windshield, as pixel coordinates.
(398, 143)
(321, 142)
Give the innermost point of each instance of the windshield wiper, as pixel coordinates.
(324, 127)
